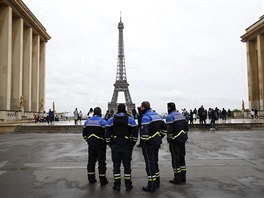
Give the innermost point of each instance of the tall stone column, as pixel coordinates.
(42, 76)
(27, 67)
(253, 77)
(5, 56)
(35, 73)
(17, 62)
(260, 50)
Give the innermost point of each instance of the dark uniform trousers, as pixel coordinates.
(151, 156)
(124, 155)
(178, 158)
(96, 153)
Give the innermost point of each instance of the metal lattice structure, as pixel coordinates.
(121, 84)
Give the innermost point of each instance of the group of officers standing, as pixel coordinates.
(120, 132)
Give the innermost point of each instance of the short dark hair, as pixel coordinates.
(171, 105)
(97, 111)
(121, 108)
(145, 104)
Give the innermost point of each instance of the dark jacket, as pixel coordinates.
(177, 128)
(121, 131)
(94, 132)
(152, 128)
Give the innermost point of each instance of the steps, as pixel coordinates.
(78, 128)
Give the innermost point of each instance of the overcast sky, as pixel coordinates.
(188, 52)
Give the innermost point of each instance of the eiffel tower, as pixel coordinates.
(121, 84)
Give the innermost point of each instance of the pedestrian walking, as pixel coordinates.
(152, 131)
(177, 136)
(121, 135)
(94, 134)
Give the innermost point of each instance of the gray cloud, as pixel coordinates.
(184, 51)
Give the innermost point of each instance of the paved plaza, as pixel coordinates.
(219, 164)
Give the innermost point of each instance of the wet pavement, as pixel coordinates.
(219, 164)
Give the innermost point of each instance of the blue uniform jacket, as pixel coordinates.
(152, 128)
(177, 127)
(121, 139)
(94, 130)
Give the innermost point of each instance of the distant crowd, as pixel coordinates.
(191, 116)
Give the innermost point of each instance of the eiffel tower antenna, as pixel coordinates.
(121, 84)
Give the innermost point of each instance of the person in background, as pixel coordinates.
(80, 117)
(134, 113)
(229, 114)
(75, 116)
(51, 116)
(191, 117)
(252, 113)
(213, 119)
(256, 113)
(224, 113)
(107, 115)
(90, 113)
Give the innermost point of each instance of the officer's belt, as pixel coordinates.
(182, 131)
(93, 135)
(147, 138)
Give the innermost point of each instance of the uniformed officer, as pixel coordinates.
(177, 135)
(121, 135)
(94, 134)
(152, 131)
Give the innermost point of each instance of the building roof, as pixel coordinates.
(23, 11)
(254, 30)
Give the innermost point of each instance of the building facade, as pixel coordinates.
(254, 38)
(22, 60)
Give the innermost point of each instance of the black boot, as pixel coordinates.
(91, 178)
(150, 187)
(103, 180)
(183, 177)
(117, 184)
(128, 184)
(177, 179)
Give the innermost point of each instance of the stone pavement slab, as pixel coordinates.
(219, 164)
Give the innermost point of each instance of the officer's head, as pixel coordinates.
(121, 108)
(145, 105)
(171, 107)
(97, 111)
